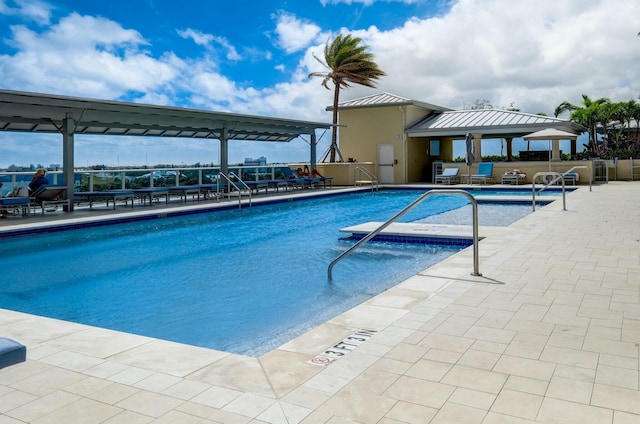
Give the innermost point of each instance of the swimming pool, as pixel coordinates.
(243, 281)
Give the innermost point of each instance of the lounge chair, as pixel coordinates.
(448, 176)
(48, 198)
(298, 181)
(11, 352)
(151, 193)
(513, 177)
(484, 174)
(14, 206)
(184, 191)
(104, 196)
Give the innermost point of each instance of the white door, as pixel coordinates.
(385, 164)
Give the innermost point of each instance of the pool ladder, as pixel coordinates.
(371, 179)
(372, 234)
(239, 186)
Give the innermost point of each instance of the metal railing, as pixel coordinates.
(553, 181)
(547, 174)
(358, 171)
(246, 188)
(557, 177)
(372, 234)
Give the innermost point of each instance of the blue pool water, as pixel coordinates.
(242, 281)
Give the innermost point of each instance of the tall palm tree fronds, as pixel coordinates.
(348, 62)
(589, 115)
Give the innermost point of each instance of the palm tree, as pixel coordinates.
(589, 115)
(629, 112)
(348, 62)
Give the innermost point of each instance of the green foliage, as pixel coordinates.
(609, 124)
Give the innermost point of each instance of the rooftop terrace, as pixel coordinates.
(549, 333)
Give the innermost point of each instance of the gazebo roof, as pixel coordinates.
(488, 122)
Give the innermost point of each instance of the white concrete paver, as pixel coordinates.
(549, 333)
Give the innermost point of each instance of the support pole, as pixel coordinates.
(313, 153)
(224, 151)
(68, 130)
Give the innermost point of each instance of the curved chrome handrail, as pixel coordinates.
(474, 204)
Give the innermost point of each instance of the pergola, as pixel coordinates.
(47, 113)
(489, 123)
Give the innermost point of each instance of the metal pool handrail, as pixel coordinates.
(474, 204)
(231, 183)
(545, 174)
(568, 172)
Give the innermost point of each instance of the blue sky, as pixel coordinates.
(254, 57)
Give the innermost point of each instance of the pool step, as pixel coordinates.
(409, 231)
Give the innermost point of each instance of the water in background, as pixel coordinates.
(242, 281)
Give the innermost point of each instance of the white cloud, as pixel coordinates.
(534, 55)
(198, 37)
(86, 56)
(295, 34)
(207, 40)
(366, 2)
(32, 10)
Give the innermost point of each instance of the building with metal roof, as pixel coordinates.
(404, 137)
(488, 122)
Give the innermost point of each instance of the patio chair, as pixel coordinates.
(11, 352)
(297, 180)
(448, 176)
(485, 173)
(47, 198)
(14, 206)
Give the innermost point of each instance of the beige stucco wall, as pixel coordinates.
(362, 130)
(343, 173)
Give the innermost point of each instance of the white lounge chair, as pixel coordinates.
(448, 176)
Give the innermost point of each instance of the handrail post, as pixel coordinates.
(558, 177)
(474, 205)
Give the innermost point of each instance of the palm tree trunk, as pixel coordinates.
(334, 129)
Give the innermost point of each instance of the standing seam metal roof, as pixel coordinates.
(385, 99)
(487, 122)
(33, 112)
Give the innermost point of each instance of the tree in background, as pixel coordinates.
(588, 115)
(610, 125)
(348, 62)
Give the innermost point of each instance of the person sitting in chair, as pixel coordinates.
(38, 180)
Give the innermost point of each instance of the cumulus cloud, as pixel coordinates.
(207, 40)
(81, 55)
(33, 10)
(534, 56)
(295, 34)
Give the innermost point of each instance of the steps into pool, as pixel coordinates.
(408, 232)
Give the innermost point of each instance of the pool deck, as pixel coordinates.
(549, 333)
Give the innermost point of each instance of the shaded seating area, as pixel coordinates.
(48, 198)
(448, 176)
(484, 174)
